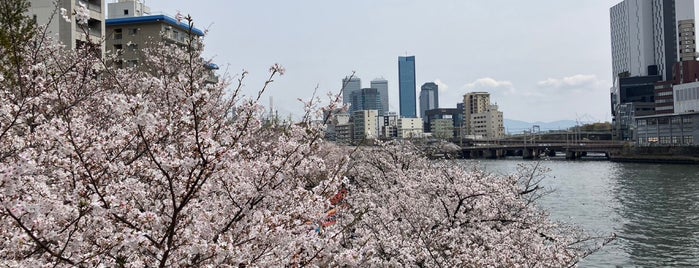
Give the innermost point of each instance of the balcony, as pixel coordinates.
(94, 5)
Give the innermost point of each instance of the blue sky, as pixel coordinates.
(541, 60)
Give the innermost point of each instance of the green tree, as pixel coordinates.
(16, 32)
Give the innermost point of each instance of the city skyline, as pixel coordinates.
(542, 62)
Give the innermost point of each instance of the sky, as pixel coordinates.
(543, 60)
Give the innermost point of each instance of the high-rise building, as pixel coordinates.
(71, 33)
(650, 36)
(651, 40)
(488, 124)
(349, 86)
(481, 118)
(474, 102)
(382, 86)
(429, 98)
(366, 99)
(406, 87)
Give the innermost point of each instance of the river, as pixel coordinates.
(653, 209)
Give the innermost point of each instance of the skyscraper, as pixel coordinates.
(366, 99)
(647, 38)
(406, 87)
(429, 98)
(349, 86)
(381, 85)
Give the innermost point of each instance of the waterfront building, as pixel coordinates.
(381, 85)
(668, 130)
(133, 28)
(350, 85)
(70, 33)
(406, 87)
(410, 128)
(653, 48)
(664, 102)
(649, 36)
(634, 96)
(365, 125)
(429, 98)
(474, 102)
(488, 124)
(686, 98)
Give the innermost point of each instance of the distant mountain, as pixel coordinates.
(517, 126)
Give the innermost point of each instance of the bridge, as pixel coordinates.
(540, 148)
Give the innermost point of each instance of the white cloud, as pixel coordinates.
(488, 83)
(575, 81)
(441, 85)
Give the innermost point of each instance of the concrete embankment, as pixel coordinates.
(657, 154)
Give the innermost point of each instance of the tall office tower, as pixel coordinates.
(429, 98)
(406, 87)
(647, 36)
(70, 33)
(349, 86)
(381, 85)
(371, 99)
(474, 103)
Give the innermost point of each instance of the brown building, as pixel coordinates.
(664, 102)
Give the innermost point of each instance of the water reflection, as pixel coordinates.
(653, 209)
(659, 205)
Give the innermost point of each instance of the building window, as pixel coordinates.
(126, 12)
(131, 63)
(117, 34)
(133, 31)
(688, 140)
(133, 47)
(118, 49)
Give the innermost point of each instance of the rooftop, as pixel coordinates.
(151, 19)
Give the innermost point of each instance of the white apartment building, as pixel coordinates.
(365, 124)
(481, 118)
(410, 128)
(474, 102)
(488, 124)
(71, 33)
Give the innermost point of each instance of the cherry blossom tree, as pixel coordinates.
(157, 166)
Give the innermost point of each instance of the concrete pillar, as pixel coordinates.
(528, 153)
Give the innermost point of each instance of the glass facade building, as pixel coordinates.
(406, 87)
(429, 97)
(382, 86)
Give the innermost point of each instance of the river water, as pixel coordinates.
(653, 209)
